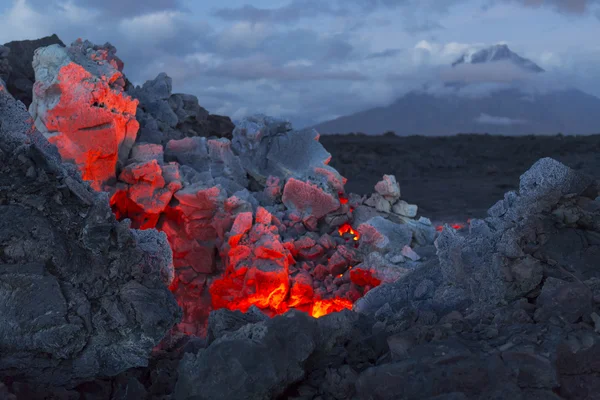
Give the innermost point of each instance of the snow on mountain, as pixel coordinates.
(498, 52)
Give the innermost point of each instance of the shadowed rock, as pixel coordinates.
(81, 295)
(22, 77)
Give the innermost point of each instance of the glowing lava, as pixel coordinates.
(347, 228)
(456, 226)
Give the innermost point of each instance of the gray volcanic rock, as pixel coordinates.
(81, 295)
(164, 116)
(504, 256)
(270, 147)
(4, 63)
(258, 361)
(21, 78)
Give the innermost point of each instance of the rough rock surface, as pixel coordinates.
(81, 295)
(21, 76)
(79, 105)
(4, 63)
(165, 116)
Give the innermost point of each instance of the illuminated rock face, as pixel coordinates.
(79, 105)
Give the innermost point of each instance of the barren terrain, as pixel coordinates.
(458, 177)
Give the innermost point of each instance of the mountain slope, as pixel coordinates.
(507, 111)
(498, 52)
(417, 113)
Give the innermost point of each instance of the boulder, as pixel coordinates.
(82, 295)
(20, 57)
(258, 361)
(79, 105)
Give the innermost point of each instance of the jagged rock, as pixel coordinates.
(388, 188)
(5, 67)
(79, 105)
(213, 159)
(403, 208)
(81, 294)
(223, 321)
(258, 361)
(20, 58)
(308, 199)
(384, 234)
(164, 116)
(502, 257)
(269, 147)
(220, 126)
(568, 301)
(379, 202)
(258, 263)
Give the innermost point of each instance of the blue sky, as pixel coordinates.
(312, 60)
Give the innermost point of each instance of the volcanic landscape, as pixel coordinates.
(151, 250)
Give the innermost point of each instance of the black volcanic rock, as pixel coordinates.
(258, 361)
(21, 78)
(81, 295)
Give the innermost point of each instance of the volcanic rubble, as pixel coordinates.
(150, 250)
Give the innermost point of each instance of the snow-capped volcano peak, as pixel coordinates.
(497, 52)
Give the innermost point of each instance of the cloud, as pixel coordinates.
(384, 53)
(566, 6)
(294, 11)
(493, 120)
(114, 8)
(297, 10)
(262, 67)
(499, 71)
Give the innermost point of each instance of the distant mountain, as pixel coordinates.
(507, 111)
(498, 52)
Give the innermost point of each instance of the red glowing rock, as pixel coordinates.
(308, 198)
(363, 277)
(90, 122)
(257, 267)
(324, 307)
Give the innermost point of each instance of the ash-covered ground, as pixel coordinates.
(454, 178)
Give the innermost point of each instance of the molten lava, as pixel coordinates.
(347, 228)
(455, 226)
(258, 273)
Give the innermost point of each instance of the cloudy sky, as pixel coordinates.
(313, 60)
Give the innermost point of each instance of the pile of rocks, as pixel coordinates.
(260, 219)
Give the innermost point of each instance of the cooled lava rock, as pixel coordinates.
(20, 78)
(81, 295)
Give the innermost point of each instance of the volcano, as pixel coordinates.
(491, 90)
